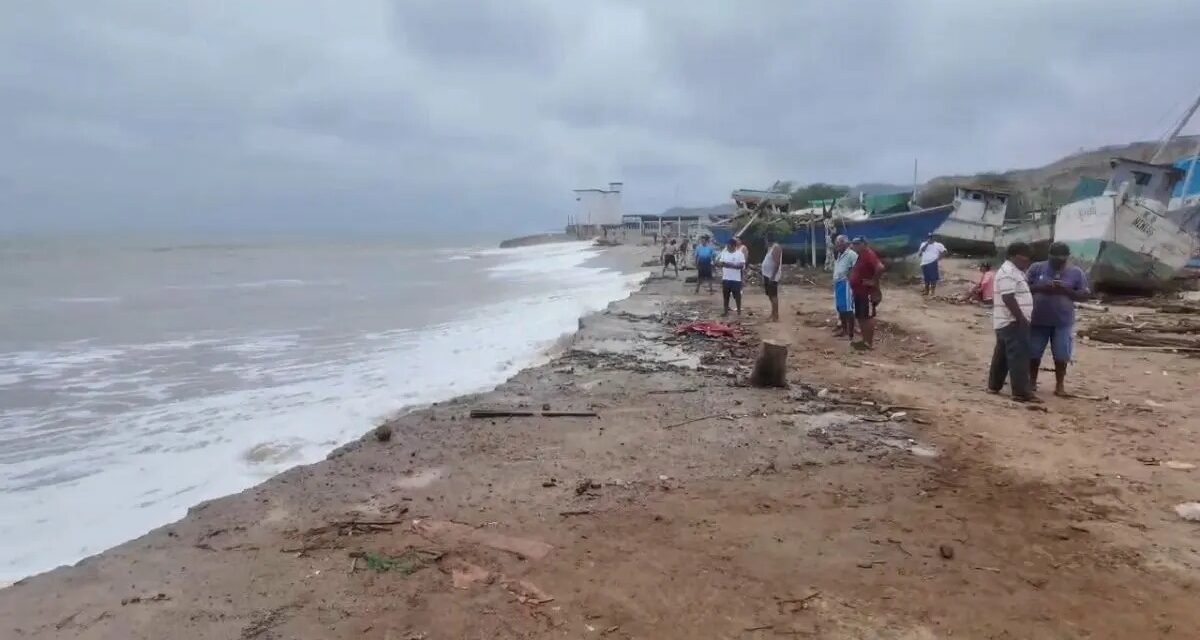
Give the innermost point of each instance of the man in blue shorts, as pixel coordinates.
(931, 252)
(1056, 285)
(704, 263)
(843, 299)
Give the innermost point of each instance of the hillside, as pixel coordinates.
(1053, 183)
(1036, 188)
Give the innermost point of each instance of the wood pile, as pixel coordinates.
(1168, 332)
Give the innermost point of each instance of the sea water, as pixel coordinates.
(140, 378)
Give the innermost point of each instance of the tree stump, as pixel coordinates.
(770, 370)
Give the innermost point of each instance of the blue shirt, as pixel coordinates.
(704, 254)
(1055, 309)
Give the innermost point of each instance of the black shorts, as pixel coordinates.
(772, 288)
(704, 271)
(668, 260)
(864, 309)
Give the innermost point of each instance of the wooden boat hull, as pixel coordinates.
(1123, 244)
(891, 236)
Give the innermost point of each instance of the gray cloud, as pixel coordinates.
(405, 114)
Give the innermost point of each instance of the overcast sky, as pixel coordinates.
(375, 114)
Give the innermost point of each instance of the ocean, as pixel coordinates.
(138, 378)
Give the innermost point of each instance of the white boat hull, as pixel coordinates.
(1124, 243)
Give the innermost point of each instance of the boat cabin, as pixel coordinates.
(974, 204)
(767, 201)
(1143, 179)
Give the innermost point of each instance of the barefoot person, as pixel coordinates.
(732, 263)
(704, 263)
(668, 258)
(931, 252)
(772, 269)
(843, 300)
(864, 285)
(1010, 319)
(1056, 286)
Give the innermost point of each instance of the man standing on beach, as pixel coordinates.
(843, 300)
(772, 269)
(704, 263)
(1010, 319)
(732, 262)
(931, 254)
(1056, 286)
(668, 258)
(864, 286)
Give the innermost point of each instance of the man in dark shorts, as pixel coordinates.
(668, 258)
(864, 285)
(772, 269)
(733, 265)
(705, 255)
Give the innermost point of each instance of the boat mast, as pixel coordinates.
(1178, 127)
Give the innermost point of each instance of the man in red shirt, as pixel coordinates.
(864, 285)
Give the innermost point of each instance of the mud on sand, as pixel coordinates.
(885, 495)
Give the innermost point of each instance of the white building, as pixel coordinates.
(599, 207)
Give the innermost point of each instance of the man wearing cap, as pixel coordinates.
(704, 263)
(931, 252)
(864, 286)
(843, 299)
(1056, 286)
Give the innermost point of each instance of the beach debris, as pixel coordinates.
(444, 531)
(153, 597)
(585, 485)
(383, 433)
(552, 482)
(408, 562)
(708, 417)
(1178, 466)
(1189, 511)
(1153, 403)
(527, 592)
(710, 329)
(522, 413)
(770, 369)
(946, 551)
(576, 512)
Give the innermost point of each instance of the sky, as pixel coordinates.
(416, 115)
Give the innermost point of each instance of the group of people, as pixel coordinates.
(732, 261)
(857, 270)
(1033, 303)
(1034, 307)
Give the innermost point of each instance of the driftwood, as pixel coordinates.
(519, 413)
(770, 370)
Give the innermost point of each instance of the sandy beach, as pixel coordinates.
(883, 495)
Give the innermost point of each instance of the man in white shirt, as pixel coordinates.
(931, 253)
(733, 264)
(843, 299)
(1011, 309)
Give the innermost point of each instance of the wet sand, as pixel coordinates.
(882, 495)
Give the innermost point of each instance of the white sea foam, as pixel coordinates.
(121, 471)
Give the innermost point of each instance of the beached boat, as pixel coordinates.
(894, 235)
(1036, 230)
(973, 228)
(1123, 237)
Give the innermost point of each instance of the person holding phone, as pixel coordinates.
(1056, 285)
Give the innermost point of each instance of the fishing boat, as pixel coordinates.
(893, 235)
(1035, 230)
(974, 225)
(1123, 237)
